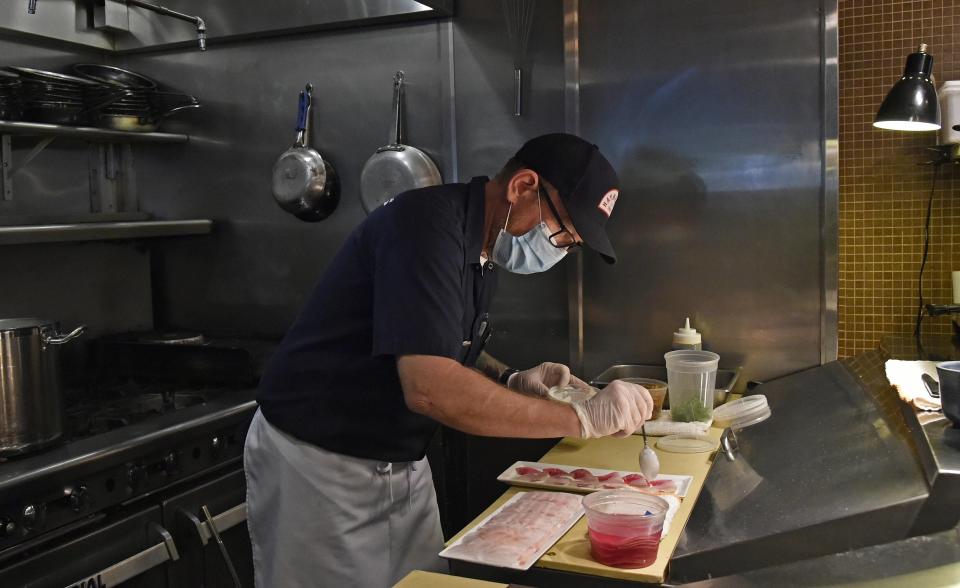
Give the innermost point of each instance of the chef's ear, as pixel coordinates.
(522, 185)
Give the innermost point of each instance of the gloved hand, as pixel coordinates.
(538, 380)
(618, 410)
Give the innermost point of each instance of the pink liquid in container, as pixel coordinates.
(624, 527)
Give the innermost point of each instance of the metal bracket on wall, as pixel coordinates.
(112, 180)
(10, 170)
(6, 175)
(111, 174)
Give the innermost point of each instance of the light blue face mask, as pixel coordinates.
(530, 253)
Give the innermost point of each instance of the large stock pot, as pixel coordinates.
(31, 406)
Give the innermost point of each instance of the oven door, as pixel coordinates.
(129, 550)
(202, 561)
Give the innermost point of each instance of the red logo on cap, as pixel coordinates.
(607, 202)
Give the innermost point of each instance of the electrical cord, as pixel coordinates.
(923, 263)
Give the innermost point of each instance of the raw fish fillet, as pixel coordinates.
(519, 531)
(668, 486)
(637, 480)
(524, 470)
(559, 481)
(534, 476)
(609, 476)
(588, 481)
(556, 472)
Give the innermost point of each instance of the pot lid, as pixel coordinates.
(15, 324)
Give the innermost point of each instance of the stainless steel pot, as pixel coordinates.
(395, 168)
(304, 183)
(31, 407)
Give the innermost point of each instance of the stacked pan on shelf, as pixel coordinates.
(141, 105)
(9, 96)
(52, 97)
(98, 95)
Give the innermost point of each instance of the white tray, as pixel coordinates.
(552, 538)
(509, 476)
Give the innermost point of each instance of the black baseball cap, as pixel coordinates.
(587, 183)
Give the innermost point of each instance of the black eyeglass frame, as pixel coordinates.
(556, 215)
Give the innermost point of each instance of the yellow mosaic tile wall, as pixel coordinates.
(883, 187)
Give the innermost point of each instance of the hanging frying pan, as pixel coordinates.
(304, 183)
(395, 168)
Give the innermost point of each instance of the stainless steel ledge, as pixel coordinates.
(21, 235)
(86, 133)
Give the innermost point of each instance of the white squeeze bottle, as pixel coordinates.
(687, 337)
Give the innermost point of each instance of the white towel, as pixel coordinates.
(905, 376)
(664, 425)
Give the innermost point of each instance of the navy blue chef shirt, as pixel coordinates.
(408, 280)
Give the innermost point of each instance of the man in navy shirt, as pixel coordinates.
(390, 343)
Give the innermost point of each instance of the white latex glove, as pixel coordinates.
(538, 380)
(618, 410)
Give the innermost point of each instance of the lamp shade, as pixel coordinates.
(911, 105)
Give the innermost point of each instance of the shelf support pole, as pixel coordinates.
(6, 172)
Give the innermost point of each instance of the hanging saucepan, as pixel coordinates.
(395, 168)
(304, 183)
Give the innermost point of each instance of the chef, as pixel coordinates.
(390, 344)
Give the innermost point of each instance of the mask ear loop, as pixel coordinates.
(539, 203)
(507, 222)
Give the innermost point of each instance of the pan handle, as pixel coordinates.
(307, 115)
(301, 119)
(398, 99)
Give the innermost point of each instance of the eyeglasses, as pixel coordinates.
(562, 239)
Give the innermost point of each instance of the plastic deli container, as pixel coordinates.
(624, 527)
(742, 412)
(691, 377)
(657, 389)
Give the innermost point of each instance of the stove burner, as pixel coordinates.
(174, 338)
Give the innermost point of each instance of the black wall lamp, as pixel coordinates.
(911, 104)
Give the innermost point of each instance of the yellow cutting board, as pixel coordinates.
(572, 552)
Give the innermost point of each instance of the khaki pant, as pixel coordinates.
(318, 518)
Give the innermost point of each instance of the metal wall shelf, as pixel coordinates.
(87, 133)
(21, 235)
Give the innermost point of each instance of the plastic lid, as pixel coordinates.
(742, 412)
(686, 443)
(570, 394)
(691, 360)
(686, 335)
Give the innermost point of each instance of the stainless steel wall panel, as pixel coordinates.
(71, 21)
(712, 114)
(530, 312)
(229, 19)
(256, 270)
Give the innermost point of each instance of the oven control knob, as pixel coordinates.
(135, 475)
(77, 496)
(170, 465)
(7, 527)
(29, 516)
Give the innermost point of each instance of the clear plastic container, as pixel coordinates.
(624, 527)
(691, 377)
(657, 390)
